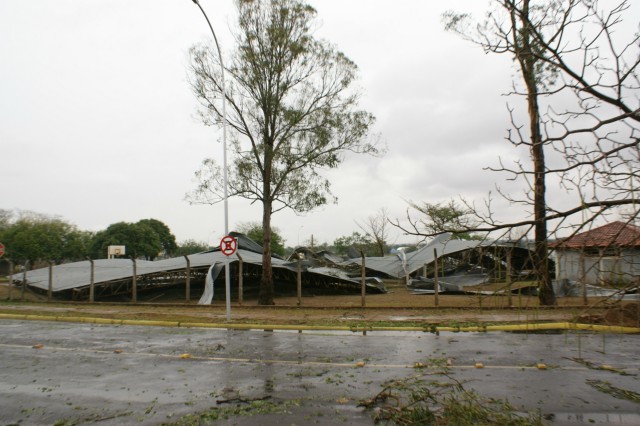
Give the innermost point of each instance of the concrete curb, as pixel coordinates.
(426, 328)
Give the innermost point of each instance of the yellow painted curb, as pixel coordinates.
(426, 329)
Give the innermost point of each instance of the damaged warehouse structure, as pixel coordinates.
(444, 265)
(124, 279)
(458, 266)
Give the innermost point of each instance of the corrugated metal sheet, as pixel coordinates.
(402, 265)
(78, 274)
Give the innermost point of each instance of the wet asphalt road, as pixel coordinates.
(68, 373)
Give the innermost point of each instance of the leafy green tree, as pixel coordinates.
(37, 237)
(191, 247)
(255, 231)
(357, 241)
(292, 111)
(77, 244)
(140, 240)
(167, 239)
(438, 218)
(5, 219)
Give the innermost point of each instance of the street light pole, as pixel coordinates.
(227, 279)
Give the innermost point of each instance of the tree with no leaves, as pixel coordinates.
(581, 85)
(292, 111)
(377, 229)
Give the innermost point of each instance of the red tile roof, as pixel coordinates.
(614, 234)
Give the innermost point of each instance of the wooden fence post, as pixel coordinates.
(435, 277)
(240, 279)
(583, 279)
(509, 295)
(50, 290)
(24, 280)
(92, 289)
(363, 280)
(187, 281)
(299, 279)
(134, 282)
(10, 280)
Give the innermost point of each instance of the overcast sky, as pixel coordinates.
(98, 124)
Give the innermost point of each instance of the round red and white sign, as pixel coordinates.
(228, 245)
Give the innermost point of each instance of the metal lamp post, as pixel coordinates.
(224, 163)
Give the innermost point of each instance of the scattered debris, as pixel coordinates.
(616, 392)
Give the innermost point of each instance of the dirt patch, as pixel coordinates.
(397, 308)
(627, 315)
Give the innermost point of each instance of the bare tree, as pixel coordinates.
(581, 86)
(292, 112)
(377, 228)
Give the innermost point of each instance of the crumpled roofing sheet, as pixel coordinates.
(402, 264)
(78, 274)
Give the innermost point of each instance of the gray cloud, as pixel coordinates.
(97, 120)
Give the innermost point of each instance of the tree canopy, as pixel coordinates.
(355, 243)
(293, 111)
(451, 217)
(37, 237)
(191, 247)
(167, 239)
(255, 231)
(141, 239)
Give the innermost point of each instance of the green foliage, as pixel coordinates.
(429, 400)
(5, 219)
(292, 112)
(255, 231)
(37, 237)
(140, 240)
(291, 108)
(243, 408)
(356, 241)
(190, 247)
(440, 218)
(167, 239)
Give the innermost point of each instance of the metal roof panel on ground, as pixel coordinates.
(399, 266)
(78, 274)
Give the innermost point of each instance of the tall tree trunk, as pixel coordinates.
(541, 252)
(265, 296)
(529, 73)
(266, 293)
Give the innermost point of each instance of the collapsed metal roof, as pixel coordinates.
(68, 276)
(403, 264)
(321, 269)
(76, 276)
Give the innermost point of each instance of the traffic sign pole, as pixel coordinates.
(228, 246)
